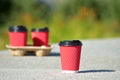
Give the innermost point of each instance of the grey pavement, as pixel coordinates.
(100, 60)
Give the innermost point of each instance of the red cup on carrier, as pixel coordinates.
(18, 35)
(70, 53)
(40, 36)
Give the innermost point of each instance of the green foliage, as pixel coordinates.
(70, 19)
(5, 7)
(36, 8)
(105, 9)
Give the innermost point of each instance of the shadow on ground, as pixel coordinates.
(55, 54)
(94, 71)
(30, 53)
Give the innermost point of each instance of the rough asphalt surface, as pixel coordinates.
(100, 60)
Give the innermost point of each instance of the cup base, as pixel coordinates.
(68, 71)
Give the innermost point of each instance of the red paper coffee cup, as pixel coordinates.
(70, 52)
(40, 36)
(18, 35)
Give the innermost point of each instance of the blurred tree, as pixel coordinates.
(37, 9)
(42, 10)
(5, 8)
(104, 9)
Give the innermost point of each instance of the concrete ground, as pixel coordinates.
(100, 60)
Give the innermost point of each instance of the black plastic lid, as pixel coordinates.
(40, 29)
(70, 43)
(18, 28)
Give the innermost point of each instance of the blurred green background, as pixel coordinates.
(66, 19)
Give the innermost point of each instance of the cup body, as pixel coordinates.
(18, 36)
(40, 37)
(70, 58)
